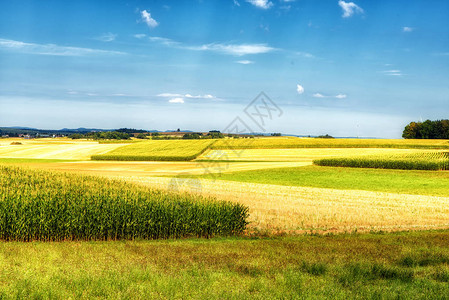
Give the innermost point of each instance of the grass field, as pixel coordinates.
(293, 142)
(411, 161)
(385, 266)
(165, 150)
(394, 181)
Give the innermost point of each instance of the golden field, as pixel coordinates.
(273, 208)
(286, 209)
(53, 149)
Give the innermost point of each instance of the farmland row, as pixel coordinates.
(416, 161)
(41, 205)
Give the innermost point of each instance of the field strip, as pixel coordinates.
(81, 150)
(131, 168)
(299, 154)
(302, 209)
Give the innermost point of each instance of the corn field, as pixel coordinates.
(294, 142)
(165, 150)
(46, 206)
(417, 161)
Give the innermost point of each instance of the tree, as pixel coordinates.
(438, 129)
(325, 136)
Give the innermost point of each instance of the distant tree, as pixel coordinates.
(428, 129)
(178, 130)
(276, 134)
(76, 136)
(326, 136)
(215, 134)
(192, 136)
(141, 136)
(412, 131)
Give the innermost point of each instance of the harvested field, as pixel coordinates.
(276, 209)
(56, 150)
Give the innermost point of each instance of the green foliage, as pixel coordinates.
(104, 135)
(417, 161)
(427, 130)
(192, 136)
(142, 136)
(213, 134)
(38, 205)
(170, 150)
(325, 137)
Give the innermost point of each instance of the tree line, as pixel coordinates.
(428, 129)
(106, 135)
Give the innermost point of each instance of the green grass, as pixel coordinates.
(41, 205)
(397, 181)
(293, 142)
(158, 150)
(303, 267)
(417, 161)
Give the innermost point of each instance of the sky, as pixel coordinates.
(360, 69)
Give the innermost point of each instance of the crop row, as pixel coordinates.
(293, 142)
(41, 205)
(155, 150)
(417, 161)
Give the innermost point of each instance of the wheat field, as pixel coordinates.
(54, 150)
(286, 209)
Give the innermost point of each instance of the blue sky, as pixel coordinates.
(362, 68)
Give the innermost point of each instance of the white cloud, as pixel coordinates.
(407, 29)
(233, 49)
(176, 100)
(299, 89)
(169, 95)
(393, 73)
(190, 96)
(106, 37)
(349, 8)
(245, 62)
(236, 3)
(164, 41)
(52, 49)
(140, 35)
(339, 96)
(264, 4)
(146, 17)
(230, 49)
(199, 96)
